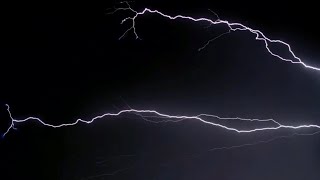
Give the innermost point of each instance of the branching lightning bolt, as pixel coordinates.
(233, 26)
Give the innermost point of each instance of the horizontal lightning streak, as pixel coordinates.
(170, 118)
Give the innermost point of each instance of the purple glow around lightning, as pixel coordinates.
(146, 114)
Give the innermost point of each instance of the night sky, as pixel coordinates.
(62, 61)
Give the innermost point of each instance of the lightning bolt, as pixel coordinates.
(233, 26)
(167, 118)
(147, 114)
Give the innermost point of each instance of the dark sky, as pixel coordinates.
(62, 61)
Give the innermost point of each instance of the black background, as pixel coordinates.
(62, 61)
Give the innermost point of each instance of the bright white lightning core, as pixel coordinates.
(148, 114)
